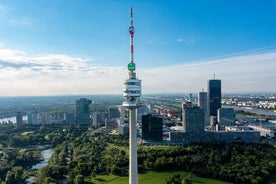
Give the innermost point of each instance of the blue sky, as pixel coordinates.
(50, 47)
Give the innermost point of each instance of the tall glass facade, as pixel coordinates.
(214, 96)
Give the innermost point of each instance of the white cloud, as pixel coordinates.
(242, 73)
(186, 41)
(10, 53)
(55, 74)
(52, 74)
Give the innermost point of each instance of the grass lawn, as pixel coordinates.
(26, 133)
(152, 178)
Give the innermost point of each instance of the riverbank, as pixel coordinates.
(252, 111)
(256, 117)
(46, 154)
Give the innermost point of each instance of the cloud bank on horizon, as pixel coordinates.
(22, 74)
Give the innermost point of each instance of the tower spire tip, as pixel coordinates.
(131, 11)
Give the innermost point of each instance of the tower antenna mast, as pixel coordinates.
(131, 33)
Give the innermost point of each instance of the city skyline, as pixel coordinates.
(78, 48)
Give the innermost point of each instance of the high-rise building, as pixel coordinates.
(99, 118)
(193, 122)
(45, 118)
(226, 116)
(143, 110)
(191, 97)
(19, 119)
(30, 118)
(214, 96)
(33, 118)
(152, 128)
(203, 104)
(123, 117)
(69, 118)
(186, 104)
(114, 112)
(82, 111)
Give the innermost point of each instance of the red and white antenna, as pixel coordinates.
(131, 65)
(131, 33)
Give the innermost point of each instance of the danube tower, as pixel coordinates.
(132, 93)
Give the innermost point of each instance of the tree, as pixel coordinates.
(79, 179)
(49, 180)
(174, 179)
(14, 176)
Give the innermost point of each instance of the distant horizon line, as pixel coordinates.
(146, 94)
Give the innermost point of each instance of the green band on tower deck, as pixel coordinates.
(131, 66)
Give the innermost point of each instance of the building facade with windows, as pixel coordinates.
(82, 111)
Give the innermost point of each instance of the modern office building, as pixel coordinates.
(69, 118)
(19, 119)
(203, 104)
(40, 118)
(82, 111)
(214, 96)
(99, 118)
(191, 97)
(45, 118)
(186, 104)
(114, 112)
(152, 128)
(226, 116)
(123, 115)
(193, 122)
(31, 118)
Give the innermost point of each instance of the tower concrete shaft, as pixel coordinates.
(133, 171)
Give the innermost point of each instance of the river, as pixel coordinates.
(252, 120)
(46, 154)
(252, 110)
(13, 119)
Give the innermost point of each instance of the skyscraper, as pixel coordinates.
(69, 118)
(132, 93)
(152, 128)
(82, 111)
(99, 118)
(203, 104)
(19, 120)
(214, 96)
(191, 97)
(113, 112)
(226, 116)
(193, 122)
